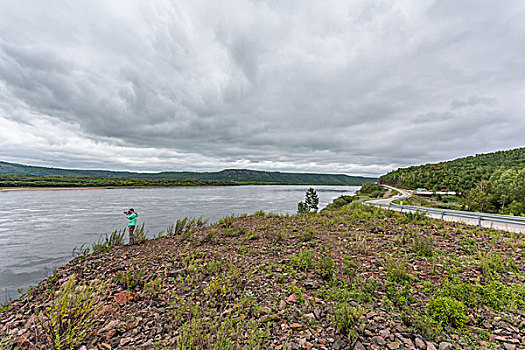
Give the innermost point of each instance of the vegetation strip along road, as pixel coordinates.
(503, 222)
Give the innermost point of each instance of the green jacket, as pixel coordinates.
(132, 219)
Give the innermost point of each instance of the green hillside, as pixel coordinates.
(492, 182)
(230, 175)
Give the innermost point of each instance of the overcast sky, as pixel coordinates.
(355, 87)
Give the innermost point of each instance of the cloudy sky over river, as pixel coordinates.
(356, 87)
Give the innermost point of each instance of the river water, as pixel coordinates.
(40, 229)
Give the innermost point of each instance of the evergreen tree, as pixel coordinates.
(312, 200)
(302, 208)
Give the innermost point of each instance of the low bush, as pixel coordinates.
(339, 202)
(423, 246)
(346, 318)
(306, 235)
(303, 261)
(413, 217)
(185, 227)
(493, 294)
(371, 189)
(447, 312)
(140, 235)
(203, 329)
(130, 279)
(105, 243)
(349, 267)
(227, 221)
(325, 267)
(67, 321)
(397, 271)
(492, 262)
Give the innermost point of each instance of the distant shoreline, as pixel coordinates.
(14, 189)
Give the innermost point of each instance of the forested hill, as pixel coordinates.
(235, 175)
(457, 175)
(492, 182)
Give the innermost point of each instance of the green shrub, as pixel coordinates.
(306, 236)
(130, 279)
(303, 261)
(67, 321)
(209, 329)
(493, 262)
(140, 235)
(185, 227)
(447, 312)
(375, 194)
(302, 208)
(153, 287)
(399, 295)
(227, 221)
(371, 189)
(325, 267)
(209, 235)
(413, 217)
(368, 289)
(105, 243)
(423, 246)
(79, 252)
(339, 202)
(346, 318)
(397, 271)
(349, 267)
(493, 294)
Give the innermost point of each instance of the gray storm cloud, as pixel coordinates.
(354, 87)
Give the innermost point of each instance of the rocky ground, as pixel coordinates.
(354, 278)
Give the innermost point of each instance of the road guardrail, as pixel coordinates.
(480, 217)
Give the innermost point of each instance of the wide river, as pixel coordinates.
(40, 229)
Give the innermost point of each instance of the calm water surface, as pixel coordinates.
(39, 229)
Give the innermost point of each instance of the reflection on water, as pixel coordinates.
(39, 229)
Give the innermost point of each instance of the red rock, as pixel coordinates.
(125, 297)
(125, 341)
(111, 325)
(107, 309)
(420, 344)
(291, 299)
(359, 346)
(295, 325)
(430, 346)
(110, 334)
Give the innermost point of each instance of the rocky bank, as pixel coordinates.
(355, 278)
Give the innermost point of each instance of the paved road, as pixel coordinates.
(388, 201)
(501, 222)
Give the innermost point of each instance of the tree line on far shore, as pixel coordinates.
(20, 181)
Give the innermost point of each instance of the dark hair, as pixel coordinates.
(131, 209)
